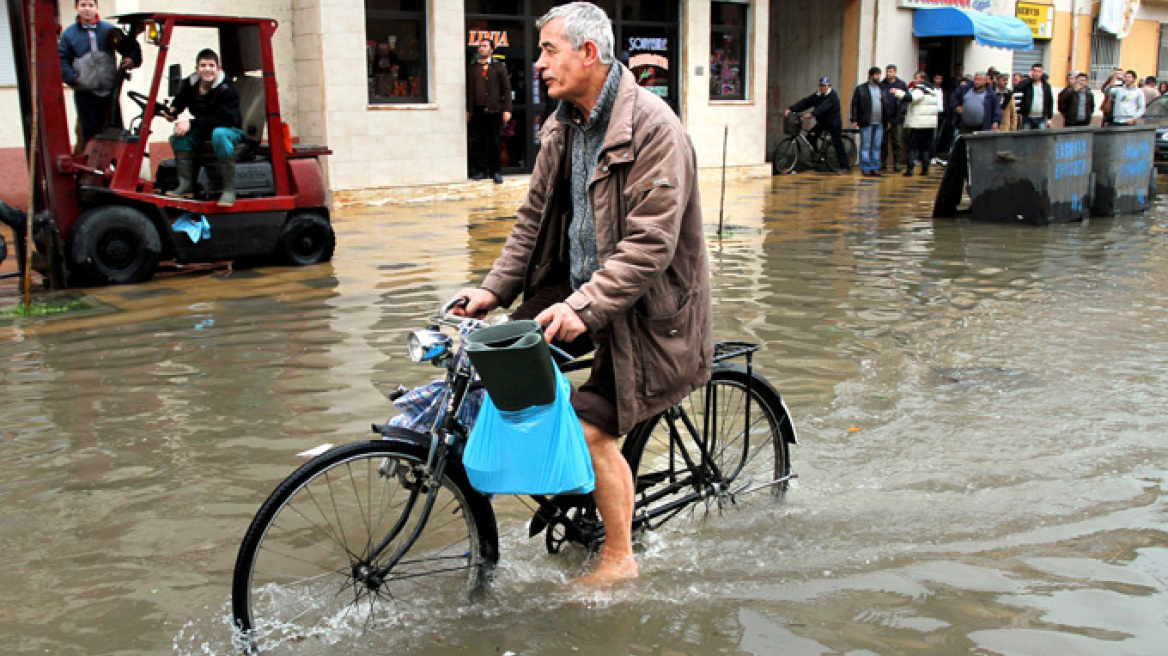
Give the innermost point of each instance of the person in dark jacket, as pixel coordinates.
(976, 107)
(488, 109)
(92, 38)
(894, 118)
(869, 101)
(1078, 105)
(214, 106)
(824, 105)
(1036, 106)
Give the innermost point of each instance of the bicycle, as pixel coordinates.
(798, 147)
(369, 524)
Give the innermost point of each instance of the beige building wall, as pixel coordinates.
(1141, 48)
(387, 145)
(708, 120)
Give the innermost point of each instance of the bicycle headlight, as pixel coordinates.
(428, 345)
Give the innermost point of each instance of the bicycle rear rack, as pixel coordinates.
(731, 349)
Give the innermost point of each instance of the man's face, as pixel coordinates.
(890, 73)
(874, 77)
(560, 65)
(1036, 73)
(823, 88)
(919, 78)
(484, 49)
(979, 81)
(1081, 82)
(207, 69)
(86, 10)
(1129, 79)
(938, 79)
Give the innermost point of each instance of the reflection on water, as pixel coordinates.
(980, 406)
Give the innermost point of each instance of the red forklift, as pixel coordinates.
(102, 217)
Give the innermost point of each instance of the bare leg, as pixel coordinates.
(614, 501)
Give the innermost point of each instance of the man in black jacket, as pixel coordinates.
(1077, 103)
(894, 117)
(825, 107)
(214, 106)
(869, 102)
(1036, 106)
(488, 109)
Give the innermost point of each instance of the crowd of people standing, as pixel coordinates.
(901, 124)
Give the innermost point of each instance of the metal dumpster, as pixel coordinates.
(1124, 167)
(1037, 177)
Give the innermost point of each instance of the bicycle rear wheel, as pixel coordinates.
(306, 568)
(832, 157)
(747, 430)
(786, 156)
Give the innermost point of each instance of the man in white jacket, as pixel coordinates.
(921, 122)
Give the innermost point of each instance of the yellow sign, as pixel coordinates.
(1040, 18)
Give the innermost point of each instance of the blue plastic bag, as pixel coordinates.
(537, 450)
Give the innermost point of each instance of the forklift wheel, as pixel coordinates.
(307, 239)
(114, 244)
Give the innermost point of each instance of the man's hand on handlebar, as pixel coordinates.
(561, 323)
(478, 303)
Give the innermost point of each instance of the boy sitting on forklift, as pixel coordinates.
(214, 105)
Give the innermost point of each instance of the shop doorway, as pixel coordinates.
(647, 41)
(936, 55)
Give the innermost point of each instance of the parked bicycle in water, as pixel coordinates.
(392, 521)
(800, 147)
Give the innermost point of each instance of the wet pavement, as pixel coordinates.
(981, 411)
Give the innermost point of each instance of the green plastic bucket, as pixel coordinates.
(514, 364)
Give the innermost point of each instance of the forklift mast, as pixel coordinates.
(55, 189)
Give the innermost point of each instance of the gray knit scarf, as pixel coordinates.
(587, 139)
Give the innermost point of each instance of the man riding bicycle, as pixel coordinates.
(824, 105)
(608, 248)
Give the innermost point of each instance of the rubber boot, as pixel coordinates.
(227, 171)
(184, 162)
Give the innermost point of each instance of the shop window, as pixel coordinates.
(7, 58)
(1162, 60)
(1104, 55)
(728, 51)
(396, 51)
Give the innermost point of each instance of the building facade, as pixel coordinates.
(383, 82)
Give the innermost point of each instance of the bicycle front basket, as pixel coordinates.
(792, 124)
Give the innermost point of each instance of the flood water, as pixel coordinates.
(983, 461)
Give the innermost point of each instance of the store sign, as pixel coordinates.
(497, 38)
(641, 44)
(972, 5)
(1040, 18)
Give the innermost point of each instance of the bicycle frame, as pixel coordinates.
(701, 474)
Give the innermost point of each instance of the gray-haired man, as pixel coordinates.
(608, 246)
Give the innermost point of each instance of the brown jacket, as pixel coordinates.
(652, 291)
(498, 86)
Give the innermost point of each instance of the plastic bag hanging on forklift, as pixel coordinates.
(538, 450)
(96, 71)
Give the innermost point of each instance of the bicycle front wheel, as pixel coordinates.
(786, 156)
(740, 422)
(313, 562)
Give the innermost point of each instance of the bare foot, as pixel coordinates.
(610, 571)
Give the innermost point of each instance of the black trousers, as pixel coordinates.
(485, 130)
(92, 111)
(920, 144)
(837, 139)
(894, 143)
